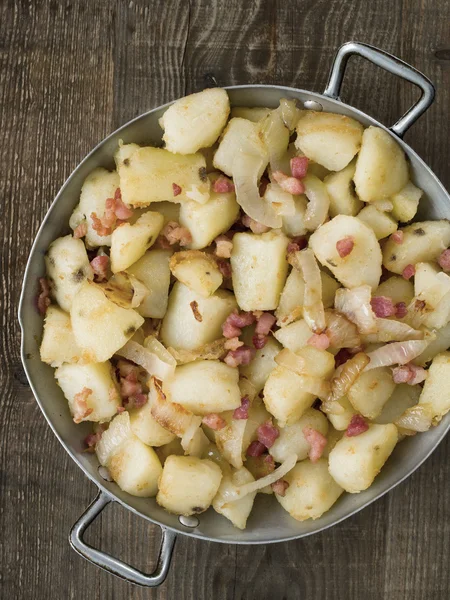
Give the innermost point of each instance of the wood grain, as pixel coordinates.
(70, 73)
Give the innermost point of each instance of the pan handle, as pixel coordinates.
(391, 64)
(114, 565)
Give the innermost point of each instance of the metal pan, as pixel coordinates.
(269, 522)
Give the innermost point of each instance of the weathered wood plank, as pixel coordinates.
(71, 72)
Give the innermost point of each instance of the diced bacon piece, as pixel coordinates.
(296, 244)
(80, 230)
(382, 306)
(175, 234)
(223, 185)
(214, 421)
(342, 357)
(345, 246)
(224, 268)
(120, 409)
(242, 411)
(233, 343)
(99, 226)
(319, 340)
(136, 401)
(176, 189)
(269, 463)
(357, 425)
(409, 373)
(234, 323)
(280, 487)
(254, 225)
(242, 356)
(43, 298)
(259, 340)
(444, 260)
(128, 387)
(401, 310)
(265, 323)
(92, 439)
(299, 166)
(317, 442)
(126, 368)
(122, 211)
(224, 246)
(99, 265)
(267, 434)
(80, 407)
(397, 237)
(409, 271)
(256, 449)
(288, 184)
(162, 243)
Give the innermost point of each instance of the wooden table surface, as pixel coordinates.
(72, 72)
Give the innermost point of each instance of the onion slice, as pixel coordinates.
(417, 418)
(153, 357)
(313, 310)
(276, 137)
(170, 415)
(355, 305)
(194, 441)
(212, 351)
(230, 439)
(125, 290)
(341, 332)
(290, 113)
(390, 330)
(397, 353)
(345, 376)
(319, 202)
(246, 167)
(239, 492)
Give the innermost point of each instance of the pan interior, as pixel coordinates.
(268, 521)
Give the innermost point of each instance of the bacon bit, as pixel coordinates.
(99, 227)
(263, 186)
(126, 368)
(175, 234)
(345, 246)
(235, 321)
(256, 449)
(397, 237)
(233, 343)
(129, 386)
(401, 310)
(288, 184)
(382, 306)
(259, 341)
(224, 268)
(267, 433)
(115, 213)
(357, 425)
(121, 210)
(296, 244)
(265, 323)
(224, 246)
(162, 243)
(242, 411)
(176, 189)
(136, 401)
(242, 356)
(268, 460)
(223, 185)
(409, 373)
(299, 166)
(80, 407)
(214, 421)
(43, 300)
(342, 357)
(194, 307)
(99, 265)
(80, 230)
(280, 487)
(317, 442)
(92, 439)
(409, 271)
(319, 340)
(254, 225)
(120, 409)
(444, 260)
